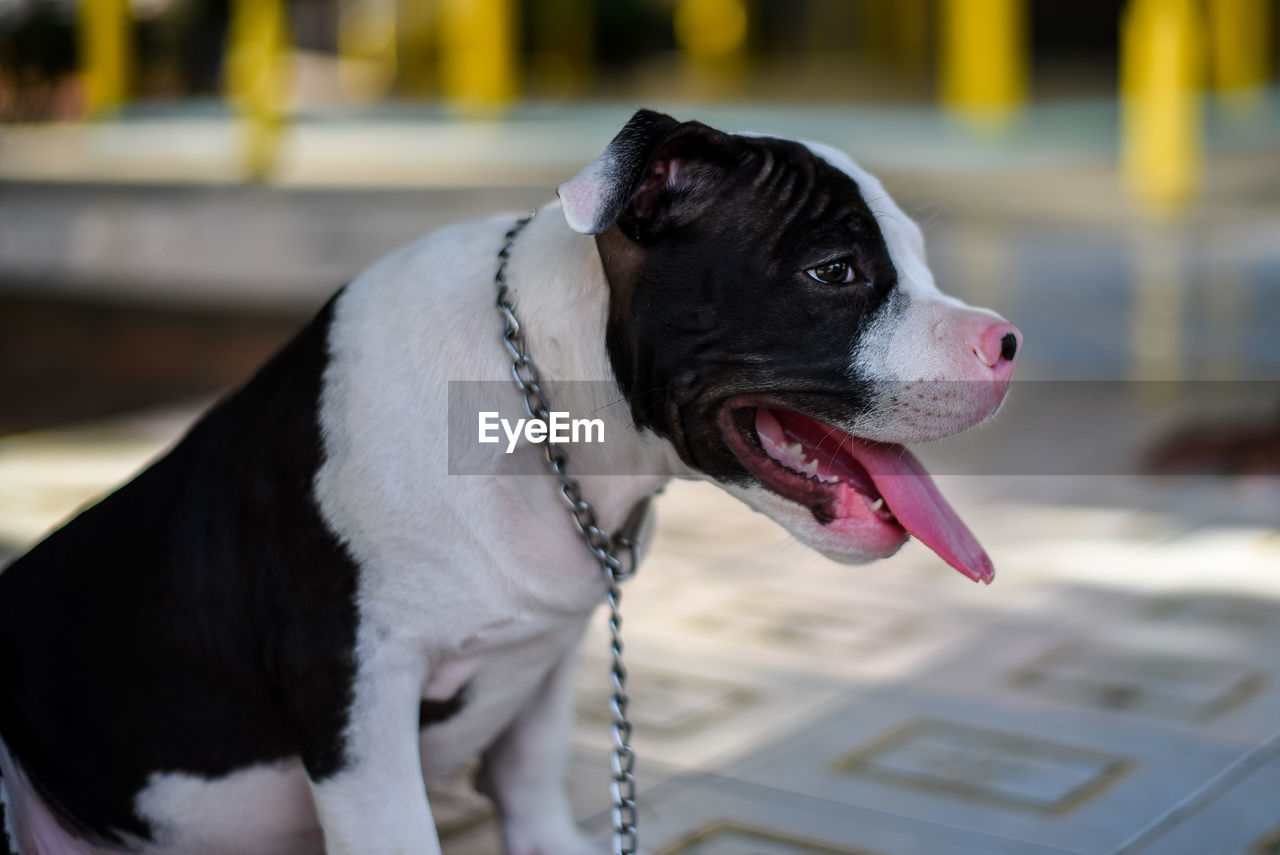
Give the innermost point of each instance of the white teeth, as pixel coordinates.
(793, 456)
(877, 504)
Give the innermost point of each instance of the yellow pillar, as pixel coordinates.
(257, 78)
(1159, 77)
(367, 49)
(1159, 315)
(984, 65)
(1240, 34)
(416, 27)
(478, 54)
(712, 34)
(104, 54)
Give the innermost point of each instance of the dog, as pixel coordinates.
(275, 635)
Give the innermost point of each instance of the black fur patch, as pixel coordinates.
(4, 837)
(199, 620)
(709, 295)
(432, 712)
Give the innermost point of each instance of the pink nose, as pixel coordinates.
(997, 346)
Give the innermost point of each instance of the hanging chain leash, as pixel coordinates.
(606, 550)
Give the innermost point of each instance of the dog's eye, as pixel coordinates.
(835, 273)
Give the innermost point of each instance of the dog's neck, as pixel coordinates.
(561, 297)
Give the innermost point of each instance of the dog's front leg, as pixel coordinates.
(525, 772)
(376, 802)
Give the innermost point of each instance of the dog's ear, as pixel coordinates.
(657, 173)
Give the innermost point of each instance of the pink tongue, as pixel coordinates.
(916, 503)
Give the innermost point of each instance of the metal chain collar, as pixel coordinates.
(605, 549)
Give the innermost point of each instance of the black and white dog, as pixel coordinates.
(271, 638)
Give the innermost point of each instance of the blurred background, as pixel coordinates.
(183, 182)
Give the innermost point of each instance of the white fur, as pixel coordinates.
(262, 810)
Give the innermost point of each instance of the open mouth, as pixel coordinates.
(873, 493)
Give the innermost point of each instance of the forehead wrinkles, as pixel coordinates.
(801, 193)
(785, 183)
(778, 193)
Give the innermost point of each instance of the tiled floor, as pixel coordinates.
(1117, 690)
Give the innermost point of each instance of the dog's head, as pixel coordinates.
(771, 314)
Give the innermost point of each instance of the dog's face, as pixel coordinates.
(772, 316)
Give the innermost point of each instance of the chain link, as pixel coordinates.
(606, 551)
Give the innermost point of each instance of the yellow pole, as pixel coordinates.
(712, 35)
(1240, 34)
(104, 54)
(984, 65)
(478, 54)
(367, 47)
(1159, 315)
(1159, 78)
(256, 78)
(415, 39)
